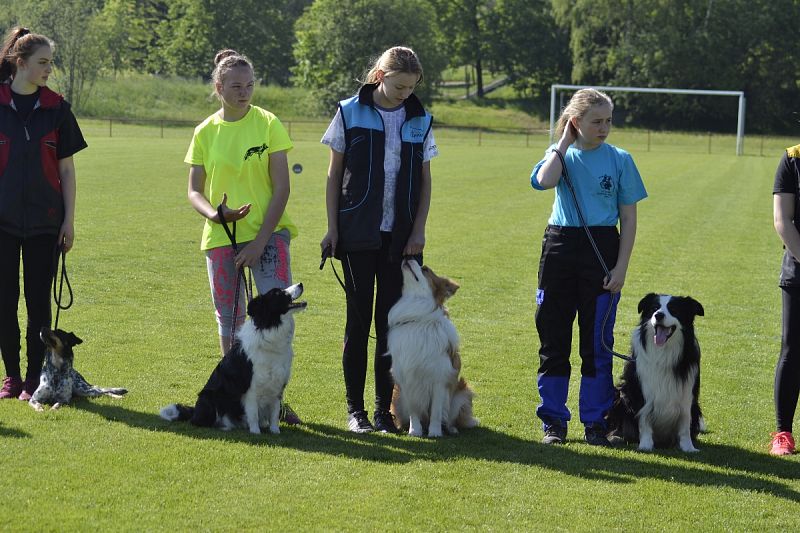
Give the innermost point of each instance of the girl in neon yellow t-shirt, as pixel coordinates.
(238, 157)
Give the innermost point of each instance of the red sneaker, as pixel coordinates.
(782, 443)
(28, 388)
(12, 387)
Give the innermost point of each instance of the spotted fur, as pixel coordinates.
(59, 381)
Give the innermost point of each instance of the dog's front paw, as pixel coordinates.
(414, 432)
(646, 445)
(434, 432)
(36, 405)
(688, 447)
(56, 406)
(274, 429)
(255, 430)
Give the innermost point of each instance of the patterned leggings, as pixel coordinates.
(273, 270)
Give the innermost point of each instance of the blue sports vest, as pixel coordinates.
(361, 196)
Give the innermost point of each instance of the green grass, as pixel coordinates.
(143, 308)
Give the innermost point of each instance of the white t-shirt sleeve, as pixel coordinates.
(334, 135)
(429, 149)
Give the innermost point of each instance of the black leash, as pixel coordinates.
(60, 252)
(565, 175)
(248, 287)
(326, 254)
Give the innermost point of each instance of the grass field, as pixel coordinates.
(142, 306)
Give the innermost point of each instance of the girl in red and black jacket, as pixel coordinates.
(38, 137)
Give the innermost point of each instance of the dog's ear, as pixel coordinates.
(645, 302)
(451, 287)
(73, 339)
(697, 308)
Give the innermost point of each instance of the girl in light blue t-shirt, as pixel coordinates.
(572, 280)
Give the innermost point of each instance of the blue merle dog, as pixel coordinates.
(59, 380)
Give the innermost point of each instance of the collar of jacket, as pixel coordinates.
(47, 97)
(412, 104)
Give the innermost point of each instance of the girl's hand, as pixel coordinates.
(569, 136)
(231, 215)
(66, 236)
(331, 239)
(614, 281)
(415, 244)
(250, 255)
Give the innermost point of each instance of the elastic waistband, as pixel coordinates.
(575, 229)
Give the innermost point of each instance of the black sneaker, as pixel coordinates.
(554, 434)
(358, 422)
(596, 435)
(384, 422)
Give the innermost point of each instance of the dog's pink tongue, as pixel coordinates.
(662, 334)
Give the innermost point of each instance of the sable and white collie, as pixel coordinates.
(423, 344)
(245, 390)
(657, 399)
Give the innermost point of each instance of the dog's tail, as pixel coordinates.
(461, 406)
(177, 412)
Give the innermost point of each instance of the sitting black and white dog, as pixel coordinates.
(245, 389)
(657, 399)
(59, 381)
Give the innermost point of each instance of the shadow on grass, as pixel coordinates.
(13, 433)
(715, 466)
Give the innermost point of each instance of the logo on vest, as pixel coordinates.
(417, 133)
(255, 150)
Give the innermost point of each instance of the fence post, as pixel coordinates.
(162, 128)
(762, 146)
(479, 136)
(527, 138)
(109, 127)
(709, 142)
(648, 140)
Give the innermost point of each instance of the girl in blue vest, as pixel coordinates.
(38, 137)
(571, 278)
(377, 199)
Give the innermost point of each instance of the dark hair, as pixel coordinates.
(19, 43)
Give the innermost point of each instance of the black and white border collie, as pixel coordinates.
(245, 390)
(657, 398)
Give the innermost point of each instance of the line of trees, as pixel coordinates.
(325, 45)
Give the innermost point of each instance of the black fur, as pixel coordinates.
(629, 398)
(220, 402)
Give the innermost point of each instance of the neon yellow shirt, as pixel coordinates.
(235, 156)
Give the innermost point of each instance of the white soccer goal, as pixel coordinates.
(740, 121)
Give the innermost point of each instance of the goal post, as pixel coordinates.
(739, 122)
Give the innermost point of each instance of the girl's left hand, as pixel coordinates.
(614, 281)
(250, 255)
(415, 244)
(66, 236)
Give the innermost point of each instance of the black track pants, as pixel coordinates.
(37, 275)
(787, 373)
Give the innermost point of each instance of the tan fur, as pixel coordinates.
(443, 288)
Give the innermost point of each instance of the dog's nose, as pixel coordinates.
(659, 316)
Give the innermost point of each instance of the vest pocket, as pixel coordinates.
(5, 150)
(49, 156)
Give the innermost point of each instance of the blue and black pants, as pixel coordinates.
(570, 284)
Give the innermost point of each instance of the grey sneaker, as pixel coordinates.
(358, 422)
(554, 434)
(596, 435)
